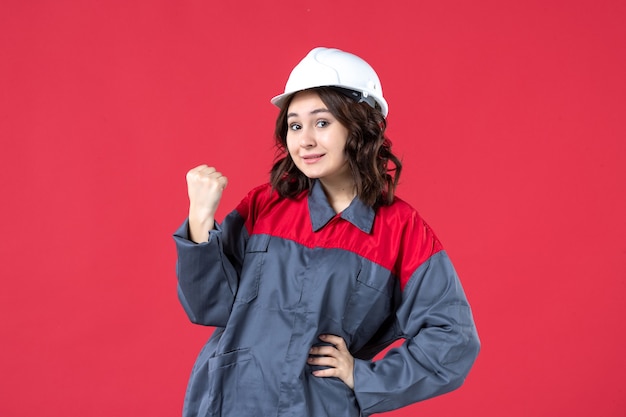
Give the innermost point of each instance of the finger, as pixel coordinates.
(331, 351)
(199, 172)
(198, 169)
(325, 373)
(215, 181)
(205, 169)
(323, 361)
(324, 351)
(207, 175)
(335, 340)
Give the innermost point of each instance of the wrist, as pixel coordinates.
(199, 228)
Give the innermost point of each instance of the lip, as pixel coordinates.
(312, 158)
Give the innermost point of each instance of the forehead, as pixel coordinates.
(304, 101)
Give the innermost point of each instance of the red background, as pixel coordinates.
(509, 117)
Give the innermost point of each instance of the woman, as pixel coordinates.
(316, 272)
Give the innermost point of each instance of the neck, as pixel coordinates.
(339, 195)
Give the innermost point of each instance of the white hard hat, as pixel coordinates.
(328, 67)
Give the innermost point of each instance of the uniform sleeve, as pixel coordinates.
(208, 272)
(440, 342)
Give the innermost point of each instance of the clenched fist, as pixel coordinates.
(204, 186)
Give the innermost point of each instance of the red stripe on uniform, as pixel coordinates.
(400, 240)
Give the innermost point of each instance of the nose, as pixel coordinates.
(307, 138)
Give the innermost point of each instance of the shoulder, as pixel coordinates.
(400, 211)
(413, 231)
(263, 205)
(262, 198)
(262, 191)
(417, 242)
(254, 197)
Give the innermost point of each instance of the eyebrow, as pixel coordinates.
(316, 111)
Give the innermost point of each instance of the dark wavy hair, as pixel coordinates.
(368, 151)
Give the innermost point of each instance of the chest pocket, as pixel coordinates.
(255, 256)
(371, 301)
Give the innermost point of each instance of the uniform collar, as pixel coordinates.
(357, 213)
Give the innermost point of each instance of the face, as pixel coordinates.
(316, 140)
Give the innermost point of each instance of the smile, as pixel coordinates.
(310, 159)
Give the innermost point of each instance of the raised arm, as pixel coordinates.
(209, 254)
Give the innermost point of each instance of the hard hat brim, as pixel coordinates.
(280, 99)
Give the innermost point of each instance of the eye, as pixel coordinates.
(322, 123)
(295, 126)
